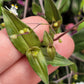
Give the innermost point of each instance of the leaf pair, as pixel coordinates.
(25, 44)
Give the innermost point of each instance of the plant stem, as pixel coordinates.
(73, 56)
(69, 78)
(68, 30)
(60, 1)
(42, 7)
(25, 8)
(68, 75)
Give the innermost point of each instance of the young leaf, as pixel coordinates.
(79, 40)
(38, 63)
(36, 8)
(59, 61)
(51, 12)
(13, 26)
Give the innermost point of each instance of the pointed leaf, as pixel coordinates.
(59, 61)
(38, 63)
(63, 2)
(51, 12)
(64, 6)
(13, 26)
(36, 8)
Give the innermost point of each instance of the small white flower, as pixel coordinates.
(79, 82)
(13, 9)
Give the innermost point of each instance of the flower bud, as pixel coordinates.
(38, 63)
(51, 52)
(26, 30)
(14, 36)
(3, 24)
(60, 41)
(55, 24)
(75, 77)
(21, 31)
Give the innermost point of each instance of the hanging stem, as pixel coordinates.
(42, 7)
(25, 8)
(69, 78)
(68, 75)
(60, 1)
(68, 30)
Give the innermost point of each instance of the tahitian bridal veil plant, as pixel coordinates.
(37, 39)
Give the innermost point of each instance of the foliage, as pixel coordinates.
(55, 13)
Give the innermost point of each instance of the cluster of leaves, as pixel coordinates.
(39, 57)
(40, 54)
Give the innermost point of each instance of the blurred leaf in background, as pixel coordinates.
(75, 6)
(1, 3)
(51, 12)
(36, 8)
(64, 6)
(79, 40)
(82, 5)
(81, 26)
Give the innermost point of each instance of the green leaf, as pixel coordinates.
(76, 6)
(59, 61)
(64, 6)
(63, 2)
(6, 0)
(13, 26)
(51, 12)
(36, 8)
(79, 55)
(38, 63)
(1, 3)
(81, 26)
(82, 5)
(47, 39)
(74, 68)
(79, 40)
